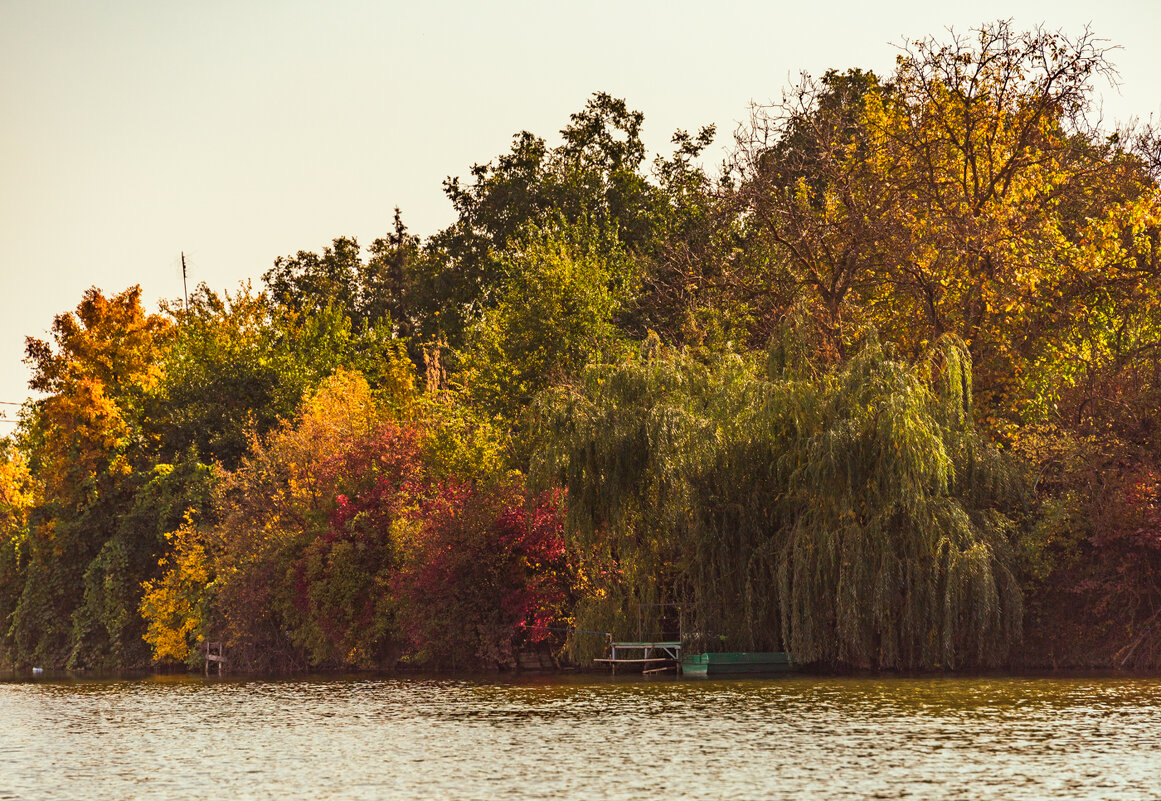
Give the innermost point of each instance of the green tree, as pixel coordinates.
(593, 178)
(225, 377)
(564, 287)
(240, 365)
(377, 289)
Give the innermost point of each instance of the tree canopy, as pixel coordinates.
(883, 392)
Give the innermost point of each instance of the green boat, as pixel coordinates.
(737, 664)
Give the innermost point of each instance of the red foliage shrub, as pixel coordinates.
(487, 572)
(449, 572)
(341, 611)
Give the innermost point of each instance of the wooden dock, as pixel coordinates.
(215, 652)
(655, 657)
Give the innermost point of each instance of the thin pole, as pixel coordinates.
(184, 291)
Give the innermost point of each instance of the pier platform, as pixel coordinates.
(649, 657)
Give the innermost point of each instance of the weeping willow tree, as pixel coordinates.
(628, 441)
(851, 516)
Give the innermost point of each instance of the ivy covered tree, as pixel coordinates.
(88, 449)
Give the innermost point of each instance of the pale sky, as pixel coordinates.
(242, 131)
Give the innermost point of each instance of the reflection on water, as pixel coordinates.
(168, 738)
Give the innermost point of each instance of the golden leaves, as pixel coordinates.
(174, 605)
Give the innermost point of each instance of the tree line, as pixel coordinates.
(882, 390)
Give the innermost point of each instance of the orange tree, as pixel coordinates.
(86, 445)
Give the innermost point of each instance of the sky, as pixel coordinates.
(237, 132)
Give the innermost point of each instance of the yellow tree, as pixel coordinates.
(1007, 194)
(175, 605)
(17, 496)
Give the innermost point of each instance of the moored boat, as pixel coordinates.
(737, 663)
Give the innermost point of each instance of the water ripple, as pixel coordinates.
(1010, 738)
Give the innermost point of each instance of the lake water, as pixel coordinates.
(582, 738)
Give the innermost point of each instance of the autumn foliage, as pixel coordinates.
(346, 549)
(883, 391)
(485, 571)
